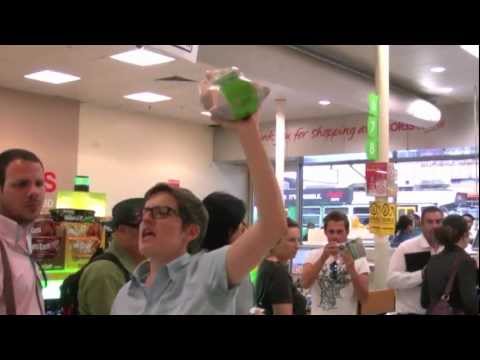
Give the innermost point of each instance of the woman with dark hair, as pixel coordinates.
(225, 225)
(453, 236)
(403, 230)
(274, 290)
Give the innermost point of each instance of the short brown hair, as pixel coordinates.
(430, 209)
(336, 216)
(8, 156)
(190, 208)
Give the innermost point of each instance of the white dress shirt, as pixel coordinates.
(408, 285)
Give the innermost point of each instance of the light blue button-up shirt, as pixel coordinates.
(189, 285)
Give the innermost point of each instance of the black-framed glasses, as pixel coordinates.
(159, 212)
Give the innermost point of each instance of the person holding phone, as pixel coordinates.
(337, 280)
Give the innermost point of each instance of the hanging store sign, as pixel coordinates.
(319, 196)
(382, 218)
(373, 138)
(381, 179)
(187, 52)
(376, 178)
(174, 183)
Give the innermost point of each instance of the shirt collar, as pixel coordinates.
(8, 227)
(425, 245)
(423, 242)
(13, 232)
(174, 267)
(139, 275)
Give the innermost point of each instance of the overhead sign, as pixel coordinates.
(376, 178)
(187, 52)
(174, 183)
(381, 179)
(373, 137)
(319, 196)
(382, 218)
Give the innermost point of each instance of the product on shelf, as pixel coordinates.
(81, 233)
(48, 243)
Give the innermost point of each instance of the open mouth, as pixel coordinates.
(147, 233)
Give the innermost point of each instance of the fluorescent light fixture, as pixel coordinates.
(324, 102)
(471, 49)
(147, 97)
(445, 90)
(424, 110)
(142, 57)
(438, 69)
(52, 77)
(206, 113)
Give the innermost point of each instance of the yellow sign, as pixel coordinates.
(382, 218)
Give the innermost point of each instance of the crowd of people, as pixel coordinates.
(173, 253)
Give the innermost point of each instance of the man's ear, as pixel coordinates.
(193, 243)
(192, 231)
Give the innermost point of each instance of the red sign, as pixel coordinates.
(174, 183)
(300, 134)
(50, 182)
(376, 178)
(472, 196)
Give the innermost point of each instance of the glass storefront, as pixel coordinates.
(447, 178)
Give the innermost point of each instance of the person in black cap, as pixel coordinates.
(103, 278)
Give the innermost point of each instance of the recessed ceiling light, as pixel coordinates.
(437, 69)
(142, 57)
(52, 77)
(324, 102)
(147, 97)
(206, 113)
(471, 49)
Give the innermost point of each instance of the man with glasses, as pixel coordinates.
(174, 282)
(103, 278)
(337, 281)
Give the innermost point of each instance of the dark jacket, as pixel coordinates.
(463, 296)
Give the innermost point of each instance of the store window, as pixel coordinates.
(333, 187)
(290, 198)
(447, 178)
(452, 185)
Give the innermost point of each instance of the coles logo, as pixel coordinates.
(50, 182)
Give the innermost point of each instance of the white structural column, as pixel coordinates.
(382, 245)
(280, 141)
